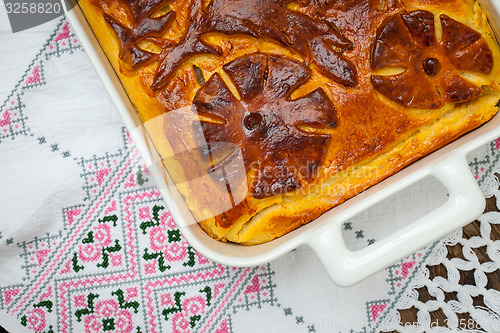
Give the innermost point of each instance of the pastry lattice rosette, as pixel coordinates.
(266, 122)
(432, 67)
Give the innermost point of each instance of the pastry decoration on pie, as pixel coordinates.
(432, 68)
(266, 121)
(135, 22)
(316, 41)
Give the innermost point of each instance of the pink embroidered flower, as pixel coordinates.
(80, 301)
(106, 308)
(150, 268)
(89, 252)
(36, 320)
(144, 213)
(92, 324)
(102, 234)
(116, 259)
(166, 300)
(109, 317)
(123, 321)
(175, 252)
(131, 293)
(157, 238)
(180, 323)
(194, 305)
(167, 220)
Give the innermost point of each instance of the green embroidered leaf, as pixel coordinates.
(208, 292)
(166, 312)
(159, 256)
(114, 248)
(156, 218)
(89, 239)
(174, 309)
(174, 236)
(134, 305)
(105, 260)
(177, 298)
(192, 259)
(119, 293)
(89, 310)
(76, 267)
(161, 264)
(112, 218)
(82, 312)
(123, 304)
(105, 257)
(108, 324)
(47, 304)
(24, 321)
(149, 256)
(145, 225)
(90, 300)
(156, 210)
(140, 179)
(193, 320)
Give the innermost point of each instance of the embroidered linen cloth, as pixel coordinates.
(88, 245)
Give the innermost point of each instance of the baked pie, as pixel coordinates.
(268, 113)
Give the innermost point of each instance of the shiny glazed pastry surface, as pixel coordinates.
(269, 113)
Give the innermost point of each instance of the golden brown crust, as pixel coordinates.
(265, 122)
(433, 68)
(322, 98)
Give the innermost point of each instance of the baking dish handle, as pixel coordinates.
(465, 203)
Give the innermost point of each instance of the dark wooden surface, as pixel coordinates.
(438, 318)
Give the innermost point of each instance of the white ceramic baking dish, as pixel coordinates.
(324, 235)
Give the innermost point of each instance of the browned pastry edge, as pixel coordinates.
(265, 121)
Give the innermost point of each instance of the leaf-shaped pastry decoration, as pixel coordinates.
(142, 27)
(266, 122)
(190, 44)
(316, 41)
(432, 69)
(309, 37)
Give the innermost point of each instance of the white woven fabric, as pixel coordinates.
(102, 169)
